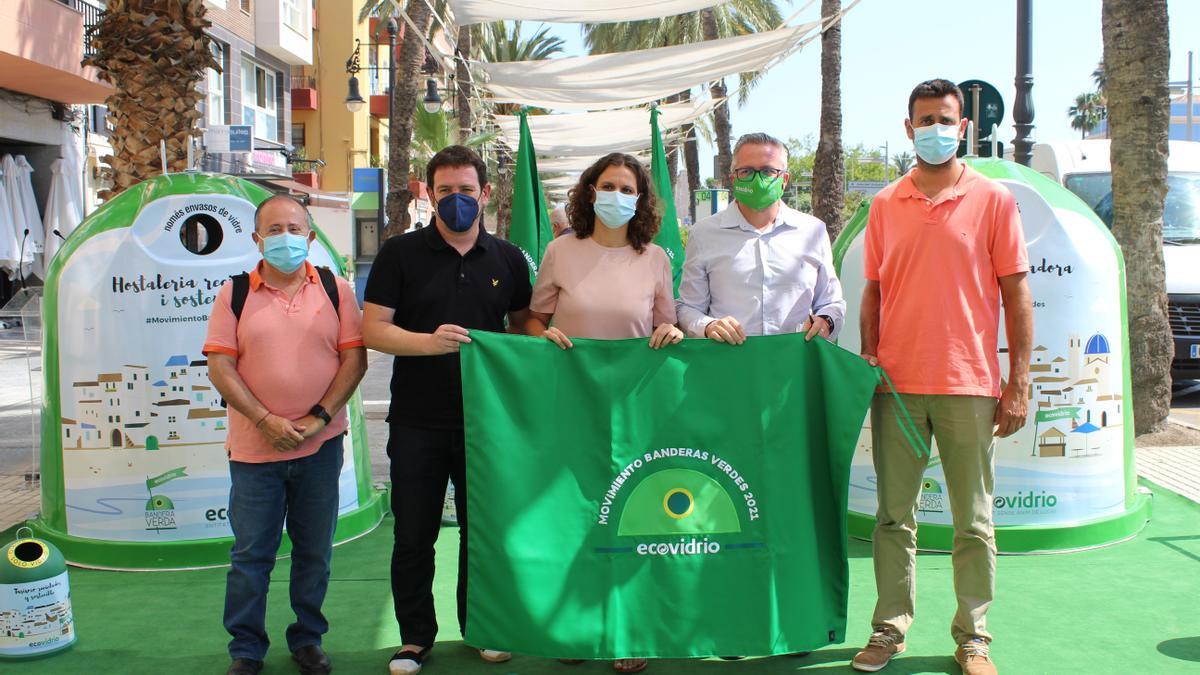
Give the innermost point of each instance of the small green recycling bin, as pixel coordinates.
(35, 599)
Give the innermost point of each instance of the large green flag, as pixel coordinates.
(529, 228)
(689, 501)
(668, 232)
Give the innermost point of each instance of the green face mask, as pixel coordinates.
(758, 192)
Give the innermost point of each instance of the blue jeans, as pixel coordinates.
(304, 494)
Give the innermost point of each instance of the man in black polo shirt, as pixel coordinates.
(427, 290)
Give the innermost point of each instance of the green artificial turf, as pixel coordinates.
(1128, 609)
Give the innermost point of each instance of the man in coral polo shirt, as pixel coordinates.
(286, 368)
(943, 247)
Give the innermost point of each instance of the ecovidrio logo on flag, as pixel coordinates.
(677, 502)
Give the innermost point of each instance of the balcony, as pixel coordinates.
(379, 105)
(304, 92)
(41, 45)
(308, 178)
(285, 32)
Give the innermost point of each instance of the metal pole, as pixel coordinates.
(1189, 98)
(887, 167)
(381, 216)
(974, 142)
(1023, 110)
(392, 28)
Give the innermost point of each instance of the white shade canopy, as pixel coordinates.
(577, 164)
(595, 134)
(562, 183)
(572, 11)
(604, 81)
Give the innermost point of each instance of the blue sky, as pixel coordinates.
(886, 50)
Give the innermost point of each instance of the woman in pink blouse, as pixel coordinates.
(608, 280)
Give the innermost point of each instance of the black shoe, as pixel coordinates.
(312, 660)
(244, 667)
(732, 658)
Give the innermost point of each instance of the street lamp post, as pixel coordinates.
(1023, 110)
(355, 103)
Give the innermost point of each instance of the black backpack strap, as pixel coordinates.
(329, 281)
(241, 288)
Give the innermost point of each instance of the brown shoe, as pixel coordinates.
(973, 657)
(885, 643)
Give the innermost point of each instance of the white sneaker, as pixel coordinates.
(493, 656)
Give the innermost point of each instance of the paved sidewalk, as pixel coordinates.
(1174, 468)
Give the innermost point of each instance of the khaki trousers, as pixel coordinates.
(963, 428)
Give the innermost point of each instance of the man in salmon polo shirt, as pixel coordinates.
(285, 368)
(944, 247)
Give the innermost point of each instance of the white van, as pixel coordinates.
(1083, 167)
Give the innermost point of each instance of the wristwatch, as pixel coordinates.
(318, 411)
(828, 320)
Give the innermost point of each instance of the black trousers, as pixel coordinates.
(421, 461)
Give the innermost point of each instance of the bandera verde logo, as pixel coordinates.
(678, 501)
(160, 510)
(932, 499)
(686, 505)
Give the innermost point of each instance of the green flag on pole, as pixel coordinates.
(158, 480)
(530, 220)
(689, 501)
(668, 232)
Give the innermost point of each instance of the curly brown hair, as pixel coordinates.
(644, 224)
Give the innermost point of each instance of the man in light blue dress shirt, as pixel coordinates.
(759, 267)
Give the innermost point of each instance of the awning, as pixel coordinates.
(605, 81)
(310, 196)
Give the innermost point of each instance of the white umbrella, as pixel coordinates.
(16, 209)
(36, 241)
(9, 246)
(62, 214)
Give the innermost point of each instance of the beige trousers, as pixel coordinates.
(962, 426)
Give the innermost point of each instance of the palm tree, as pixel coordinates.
(1099, 78)
(154, 53)
(431, 133)
(829, 177)
(903, 162)
(495, 43)
(498, 44)
(404, 101)
(1136, 57)
(1087, 113)
(729, 19)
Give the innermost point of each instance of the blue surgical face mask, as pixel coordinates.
(285, 252)
(614, 209)
(936, 143)
(458, 211)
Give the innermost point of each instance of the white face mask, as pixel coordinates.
(936, 143)
(613, 208)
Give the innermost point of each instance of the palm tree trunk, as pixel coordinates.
(154, 53)
(1136, 56)
(691, 160)
(400, 119)
(464, 84)
(721, 123)
(829, 177)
